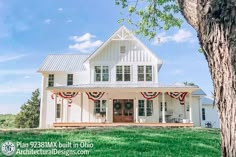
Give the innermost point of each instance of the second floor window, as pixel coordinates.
(101, 73)
(123, 73)
(70, 79)
(50, 80)
(145, 73)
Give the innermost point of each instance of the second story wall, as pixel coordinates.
(135, 55)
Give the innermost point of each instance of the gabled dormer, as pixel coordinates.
(123, 54)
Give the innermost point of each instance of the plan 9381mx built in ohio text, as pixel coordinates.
(117, 84)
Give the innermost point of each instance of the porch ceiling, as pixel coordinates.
(123, 88)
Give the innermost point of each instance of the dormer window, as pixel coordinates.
(122, 49)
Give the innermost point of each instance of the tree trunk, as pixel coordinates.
(215, 24)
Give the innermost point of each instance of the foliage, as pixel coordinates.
(150, 15)
(7, 121)
(131, 141)
(189, 83)
(29, 114)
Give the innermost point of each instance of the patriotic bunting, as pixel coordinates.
(95, 95)
(68, 95)
(178, 95)
(65, 95)
(150, 95)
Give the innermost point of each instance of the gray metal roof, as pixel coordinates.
(207, 100)
(199, 93)
(63, 63)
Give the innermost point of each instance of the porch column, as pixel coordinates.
(163, 108)
(106, 113)
(81, 103)
(190, 107)
(55, 110)
(62, 110)
(136, 110)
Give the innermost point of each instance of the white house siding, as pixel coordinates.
(211, 115)
(82, 109)
(74, 112)
(134, 56)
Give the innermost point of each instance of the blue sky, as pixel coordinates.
(31, 30)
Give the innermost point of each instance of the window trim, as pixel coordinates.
(144, 73)
(123, 73)
(145, 108)
(70, 82)
(122, 47)
(144, 113)
(203, 115)
(101, 73)
(58, 112)
(101, 109)
(51, 78)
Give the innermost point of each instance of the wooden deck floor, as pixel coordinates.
(74, 124)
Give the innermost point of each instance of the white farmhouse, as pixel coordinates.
(117, 84)
(209, 116)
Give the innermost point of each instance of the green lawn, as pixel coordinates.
(131, 141)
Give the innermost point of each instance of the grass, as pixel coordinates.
(131, 141)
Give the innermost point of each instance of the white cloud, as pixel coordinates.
(47, 21)
(6, 58)
(179, 37)
(18, 72)
(60, 9)
(20, 87)
(68, 21)
(84, 43)
(85, 37)
(86, 46)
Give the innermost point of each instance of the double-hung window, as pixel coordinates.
(141, 108)
(127, 73)
(148, 73)
(100, 106)
(50, 80)
(119, 73)
(145, 107)
(58, 109)
(101, 73)
(140, 73)
(123, 73)
(70, 79)
(145, 73)
(149, 107)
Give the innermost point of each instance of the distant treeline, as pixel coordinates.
(7, 121)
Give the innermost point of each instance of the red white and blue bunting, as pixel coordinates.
(150, 95)
(178, 95)
(65, 95)
(95, 95)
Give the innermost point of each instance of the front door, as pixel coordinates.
(123, 110)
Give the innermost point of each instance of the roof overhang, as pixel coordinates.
(120, 88)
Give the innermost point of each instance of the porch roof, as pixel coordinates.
(102, 87)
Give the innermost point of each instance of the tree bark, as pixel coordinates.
(216, 28)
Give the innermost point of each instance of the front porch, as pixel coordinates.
(74, 124)
(108, 107)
